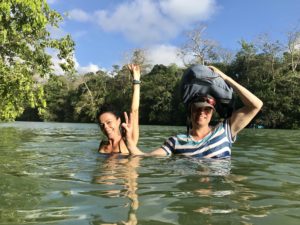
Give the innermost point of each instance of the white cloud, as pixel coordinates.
(148, 21)
(78, 15)
(164, 54)
(55, 60)
(80, 69)
(188, 11)
(139, 21)
(87, 69)
(297, 42)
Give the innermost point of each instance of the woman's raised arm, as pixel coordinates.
(135, 102)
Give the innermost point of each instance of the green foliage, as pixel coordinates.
(157, 103)
(119, 90)
(77, 98)
(59, 97)
(24, 60)
(17, 92)
(91, 93)
(271, 79)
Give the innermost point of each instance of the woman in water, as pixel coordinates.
(110, 121)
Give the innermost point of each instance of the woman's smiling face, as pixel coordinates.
(109, 124)
(201, 115)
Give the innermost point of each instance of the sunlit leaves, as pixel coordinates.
(24, 61)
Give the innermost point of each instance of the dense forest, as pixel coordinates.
(29, 89)
(77, 98)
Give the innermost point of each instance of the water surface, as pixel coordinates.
(51, 173)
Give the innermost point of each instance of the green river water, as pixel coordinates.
(51, 173)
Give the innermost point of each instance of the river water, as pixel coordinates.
(51, 173)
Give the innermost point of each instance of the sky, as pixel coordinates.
(105, 31)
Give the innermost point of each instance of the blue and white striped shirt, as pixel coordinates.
(217, 144)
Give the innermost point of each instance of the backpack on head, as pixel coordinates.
(200, 80)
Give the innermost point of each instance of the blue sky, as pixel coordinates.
(105, 30)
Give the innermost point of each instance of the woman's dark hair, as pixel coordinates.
(107, 108)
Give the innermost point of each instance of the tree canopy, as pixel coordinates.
(24, 59)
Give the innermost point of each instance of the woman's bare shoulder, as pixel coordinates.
(103, 146)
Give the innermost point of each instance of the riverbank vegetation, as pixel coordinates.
(271, 77)
(29, 89)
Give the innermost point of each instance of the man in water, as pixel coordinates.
(204, 140)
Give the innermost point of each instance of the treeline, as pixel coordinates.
(77, 98)
(273, 78)
(30, 91)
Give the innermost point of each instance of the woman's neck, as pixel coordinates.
(115, 141)
(200, 132)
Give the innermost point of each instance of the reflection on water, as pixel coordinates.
(118, 176)
(51, 173)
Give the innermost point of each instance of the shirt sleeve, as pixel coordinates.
(227, 128)
(169, 145)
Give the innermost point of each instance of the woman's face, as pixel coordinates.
(109, 124)
(201, 116)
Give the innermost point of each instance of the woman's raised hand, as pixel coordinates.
(135, 71)
(219, 72)
(128, 127)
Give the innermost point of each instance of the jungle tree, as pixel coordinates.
(24, 56)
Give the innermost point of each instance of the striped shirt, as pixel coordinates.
(217, 144)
